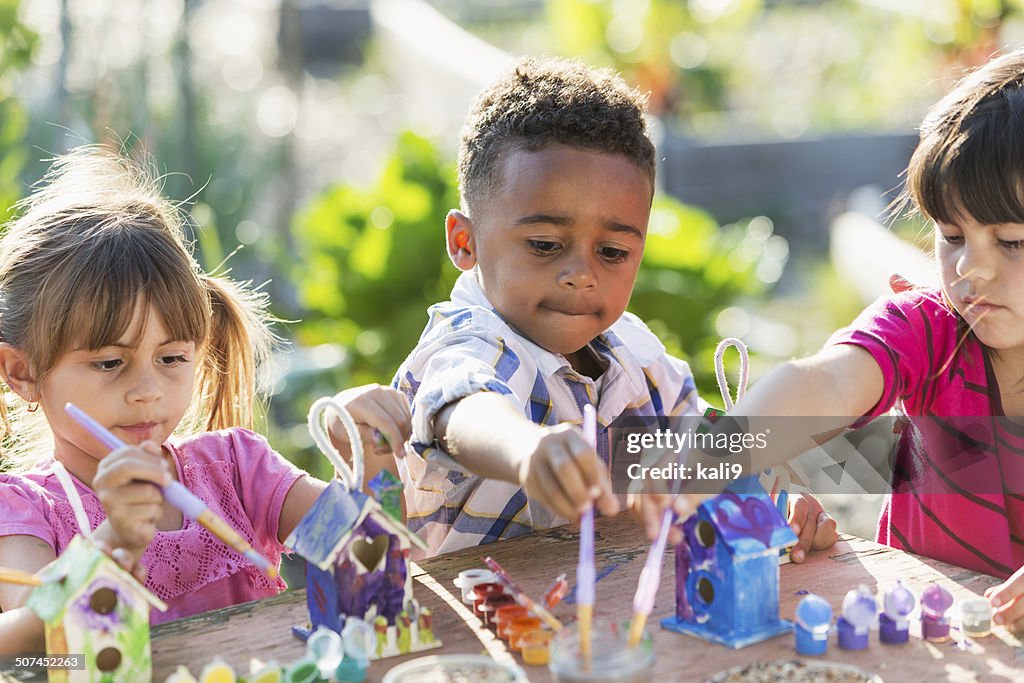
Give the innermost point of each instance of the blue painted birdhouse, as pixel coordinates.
(357, 556)
(727, 569)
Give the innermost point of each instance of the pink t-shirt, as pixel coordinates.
(959, 474)
(234, 471)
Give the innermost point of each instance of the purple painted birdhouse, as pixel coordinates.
(357, 558)
(727, 569)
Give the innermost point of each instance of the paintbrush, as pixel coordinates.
(181, 498)
(650, 577)
(585, 572)
(521, 597)
(19, 577)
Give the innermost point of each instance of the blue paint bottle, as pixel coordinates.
(813, 622)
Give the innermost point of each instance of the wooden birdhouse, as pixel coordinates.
(727, 568)
(357, 556)
(90, 605)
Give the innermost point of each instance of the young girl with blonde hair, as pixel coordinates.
(103, 305)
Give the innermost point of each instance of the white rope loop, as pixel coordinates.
(723, 383)
(352, 476)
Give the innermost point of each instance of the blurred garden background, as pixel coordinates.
(319, 137)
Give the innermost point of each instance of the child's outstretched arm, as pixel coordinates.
(485, 434)
(827, 390)
(373, 407)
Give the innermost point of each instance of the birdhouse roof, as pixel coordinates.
(748, 523)
(329, 524)
(80, 562)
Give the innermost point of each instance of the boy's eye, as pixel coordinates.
(1012, 245)
(107, 365)
(543, 246)
(613, 255)
(951, 239)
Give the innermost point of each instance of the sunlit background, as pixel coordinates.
(320, 137)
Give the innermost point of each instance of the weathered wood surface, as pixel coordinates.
(262, 630)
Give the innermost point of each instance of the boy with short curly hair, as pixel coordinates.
(556, 174)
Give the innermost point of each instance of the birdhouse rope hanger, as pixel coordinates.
(351, 476)
(723, 382)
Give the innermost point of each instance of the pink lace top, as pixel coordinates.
(234, 471)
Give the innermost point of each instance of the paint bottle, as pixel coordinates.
(518, 628)
(504, 616)
(858, 616)
(894, 622)
(975, 617)
(469, 578)
(536, 648)
(481, 592)
(491, 604)
(813, 622)
(936, 602)
(556, 591)
(325, 647)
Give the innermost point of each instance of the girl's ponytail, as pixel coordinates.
(235, 357)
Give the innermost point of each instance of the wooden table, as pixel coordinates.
(262, 629)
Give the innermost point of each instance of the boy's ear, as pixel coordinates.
(17, 372)
(458, 229)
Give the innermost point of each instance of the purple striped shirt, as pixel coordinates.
(957, 478)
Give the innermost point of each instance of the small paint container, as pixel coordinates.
(858, 616)
(504, 615)
(894, 622)
(469, 578)
(813, 622)
(219, 670)
(491, 604)
(611, 658)
(519, 627)
(483, 591)
(936, 602)
(536, 648)
(302, 671)
(975, 617)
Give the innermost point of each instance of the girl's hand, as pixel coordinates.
(129, 483)
(1008, 602)
(815, 529)
(373, 407)
(649, 511)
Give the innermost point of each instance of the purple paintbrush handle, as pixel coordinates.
(183, 499)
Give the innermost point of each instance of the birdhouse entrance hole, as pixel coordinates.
(706, 591)
(103, 601)
(370, 553)
(108, 659)
(705, 533)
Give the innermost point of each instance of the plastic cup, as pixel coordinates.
(611, 661)
(519, 627)
(536, 648)
(504, 616)
(975, 617)
(491, 604)
(468, 578)
(303, 671)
